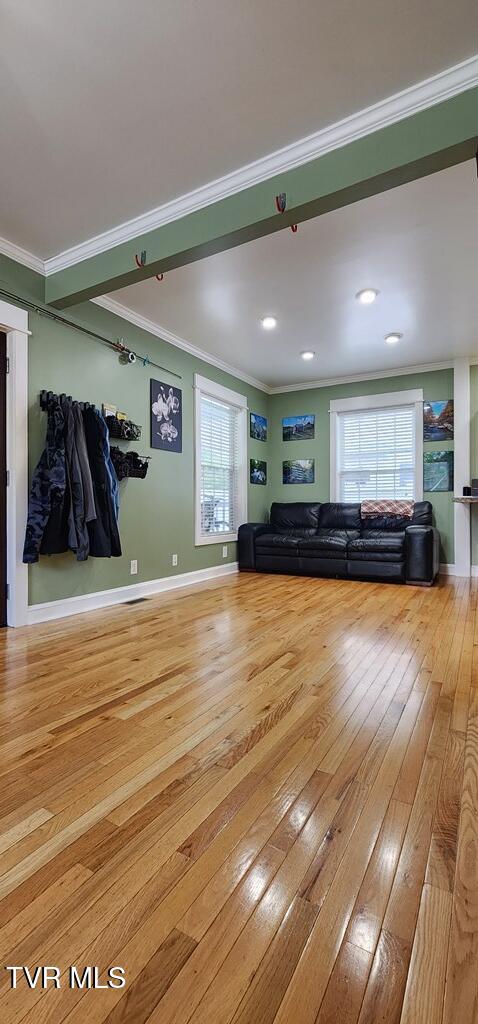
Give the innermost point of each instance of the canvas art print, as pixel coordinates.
(298, 428)
(258, 427)
(438, 421)
(166, 417)
(438, 471)
(298, 471)
(258, 471)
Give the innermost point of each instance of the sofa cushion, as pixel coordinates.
(277, 543)
(278, 561)
(422, 514)
(374, 556)
(299, 517)
(345, 534)
(377, 543)
(370, 570)
(323, 545)
(324, 565)
(386, 524)
(334, 516)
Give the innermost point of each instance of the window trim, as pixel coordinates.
(204, 386)
(382, 401)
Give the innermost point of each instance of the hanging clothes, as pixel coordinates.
(109, 464)
(103, 531)
(80, 442)
(47, 495)
(74, 498)
(78, 539)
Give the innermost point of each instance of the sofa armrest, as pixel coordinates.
(422, 547)
(246, 543)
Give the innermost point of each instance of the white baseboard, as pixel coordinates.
(50, 610)
(119, 595)
(450, 570)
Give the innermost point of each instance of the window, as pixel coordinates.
(376, 447)
(221, 478)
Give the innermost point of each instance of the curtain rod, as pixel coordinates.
(115, 345)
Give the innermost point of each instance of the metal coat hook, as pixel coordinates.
(281, 203)
(141, 262)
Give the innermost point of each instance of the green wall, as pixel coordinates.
(436, 384)
(157, 514)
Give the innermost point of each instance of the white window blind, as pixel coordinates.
(221, 487)
(376, 453)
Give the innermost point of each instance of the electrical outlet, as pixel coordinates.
(174, 560)
(134, 567)
(224, 550)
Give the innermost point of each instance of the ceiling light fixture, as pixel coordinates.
(367, 296)
(392, 339)
(307, 355)
(268, 323)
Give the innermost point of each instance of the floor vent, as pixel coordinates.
(136, 600)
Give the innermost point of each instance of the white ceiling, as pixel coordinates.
(417, 244)
(111, 108)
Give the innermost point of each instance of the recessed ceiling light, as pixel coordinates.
(307, 355)
(392, 339)
(269, 322)
(366, 296)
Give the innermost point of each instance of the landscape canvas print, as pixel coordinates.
(438, 471)
(298, 471)
(258, 427)
(298, 428)
(438, 421)
(258, 471)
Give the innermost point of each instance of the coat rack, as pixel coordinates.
(47, 397)
(127, 464)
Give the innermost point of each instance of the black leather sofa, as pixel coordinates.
(313, 539)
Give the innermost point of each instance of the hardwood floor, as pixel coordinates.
(258, 796)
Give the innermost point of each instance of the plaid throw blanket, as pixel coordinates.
(369, 509)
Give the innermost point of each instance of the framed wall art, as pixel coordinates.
(258, 427)
(438, 421)
(298, 428)
(166, 407)
(298, 471)
(438, 471)
(257, 471)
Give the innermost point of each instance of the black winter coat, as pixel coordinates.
(47, 523)
(102, 531)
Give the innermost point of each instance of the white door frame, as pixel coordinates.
(14, 323)
(462, 513)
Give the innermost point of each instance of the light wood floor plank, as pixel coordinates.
(268, 817)
(423, 1002)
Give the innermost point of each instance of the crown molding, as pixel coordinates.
(19, 255)
(386, 112)
(173, 339)
(328, 382)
